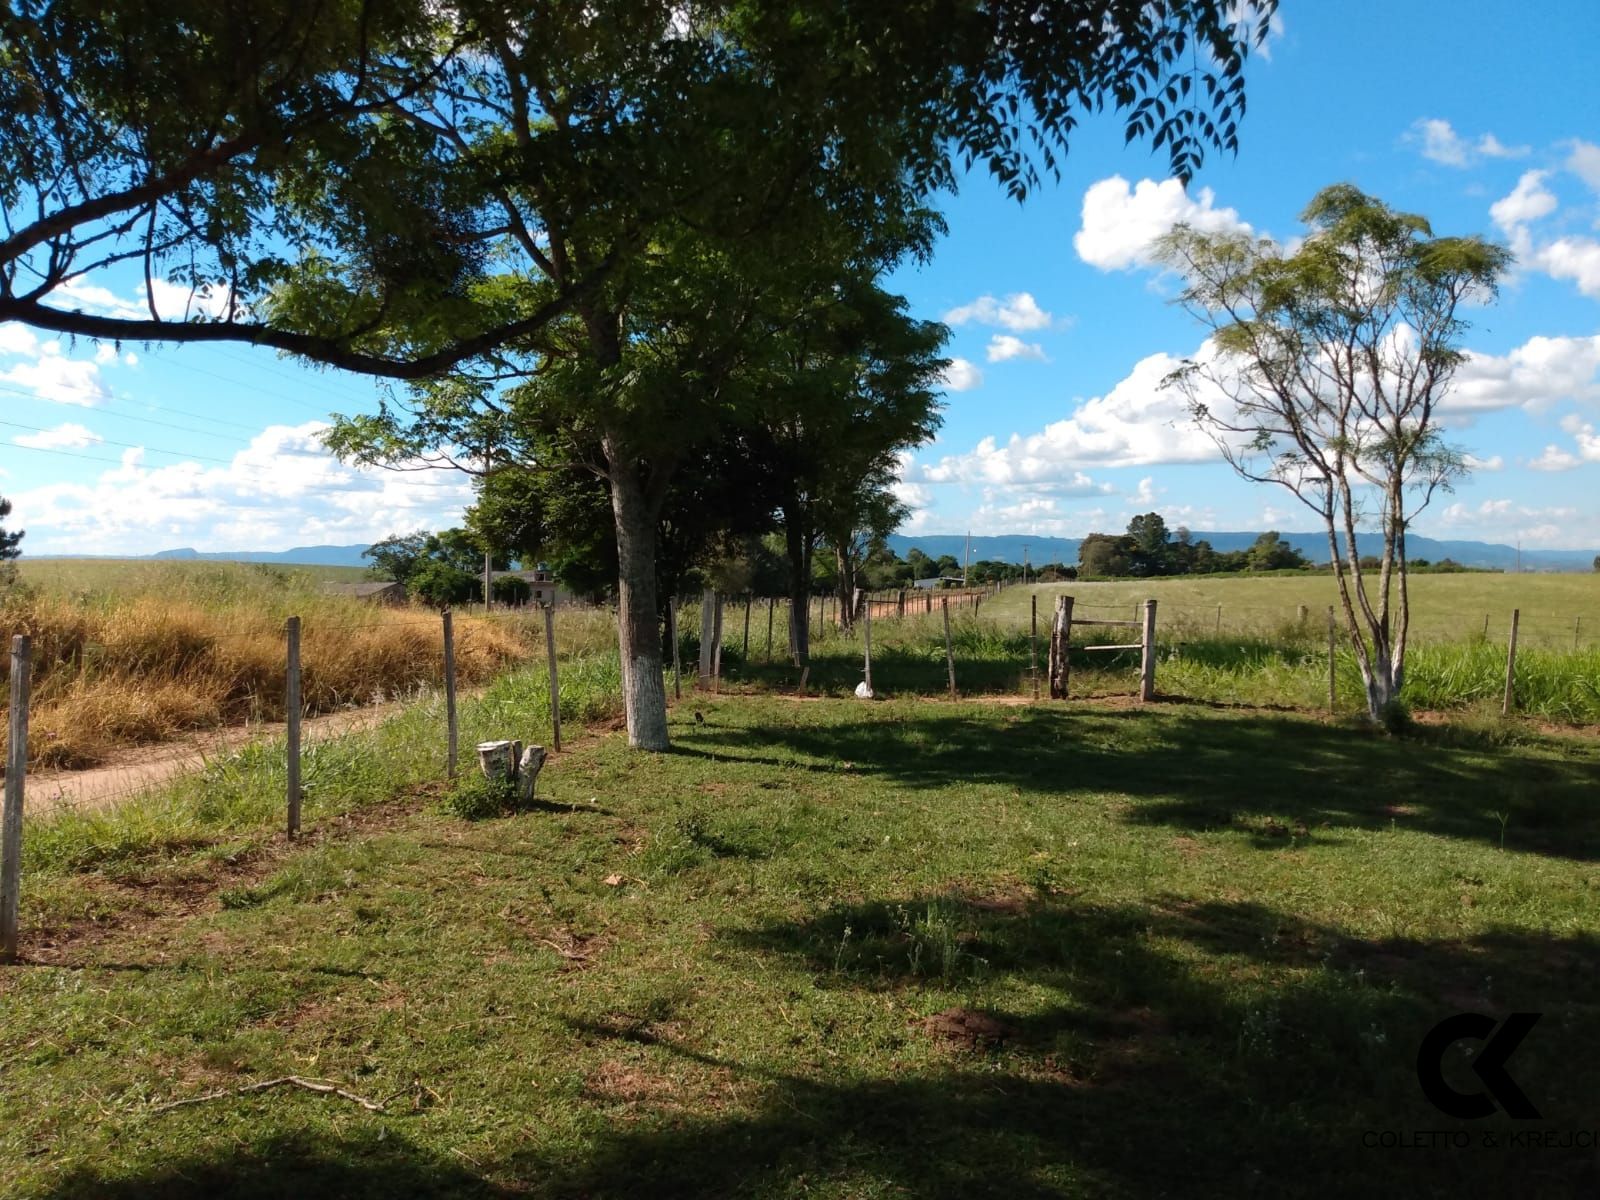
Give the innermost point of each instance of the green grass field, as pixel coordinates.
(827, 949)
(1274, 665)
(1444, 607)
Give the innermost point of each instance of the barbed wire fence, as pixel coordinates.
(1183, 623)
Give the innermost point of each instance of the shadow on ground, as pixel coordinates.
(1276, 777)
(1142, 1075)
(373, 1164)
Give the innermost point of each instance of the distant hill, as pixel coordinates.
(319, 556)
(1009, 548)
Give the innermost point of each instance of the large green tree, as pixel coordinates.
(716, 164)
(1331, 363)
(845, 387)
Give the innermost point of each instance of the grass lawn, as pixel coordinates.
(826, 948)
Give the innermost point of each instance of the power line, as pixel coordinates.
(122, 416)
(227, 462)
(252, 386)
(313, 382)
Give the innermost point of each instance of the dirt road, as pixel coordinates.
(141, 769)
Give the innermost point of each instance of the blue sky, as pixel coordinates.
(1483, 117)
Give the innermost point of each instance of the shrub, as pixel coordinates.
(442, 585)
(511, 589)
(477, 798)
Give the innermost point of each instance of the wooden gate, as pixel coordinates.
(1060, 644)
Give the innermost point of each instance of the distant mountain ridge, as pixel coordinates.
(311, 556)
(1009, 548)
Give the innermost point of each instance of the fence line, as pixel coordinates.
(871, 609)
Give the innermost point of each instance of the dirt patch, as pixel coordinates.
(966, 1028)
(622, 1083)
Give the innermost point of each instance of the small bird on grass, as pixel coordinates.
(699, 718)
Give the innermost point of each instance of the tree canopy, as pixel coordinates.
(225, 146)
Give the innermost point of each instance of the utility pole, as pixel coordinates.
(1519, 556)
(1024, 564)
(966, 565)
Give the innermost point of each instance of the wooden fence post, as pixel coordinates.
(1219, 620)
(708, 628)
(1332, 665)
(949, 654)
(1147, 655)
(866, 634)
(716, 648)
(1060, 634)
(1510, 700)
(452, 728)
(1577, 625)
(1033, 644)
(677, 659)
(292, 704)
(1300, 615)
(555, 683)
(748, 597)
(770, 603)
(16, 774)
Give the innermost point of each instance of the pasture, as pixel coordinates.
(1443, 607)
(830, 949)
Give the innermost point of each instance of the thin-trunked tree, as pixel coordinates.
(1325, 374)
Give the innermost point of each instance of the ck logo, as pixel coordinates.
(1489, 1065)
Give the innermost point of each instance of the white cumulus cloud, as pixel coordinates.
(1528, 201)
(961, 376)
(1440, 143)
(283, 490)
(53, 376)
(1136, 423)
(1583, 160)
(63, 437)
(1569, 257)
(1003, 346)
(1120, 224)
(1018, 312)
(1534, 375)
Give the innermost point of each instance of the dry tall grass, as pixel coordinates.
(140, 660)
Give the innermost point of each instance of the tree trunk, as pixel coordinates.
(845, 567)
(1380, 659)
(1382, 685)
(644, 692)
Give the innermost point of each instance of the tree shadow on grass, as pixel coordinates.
(373, 1165)
(1133, 1067)
(1280, 779)
(1137, 1050)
